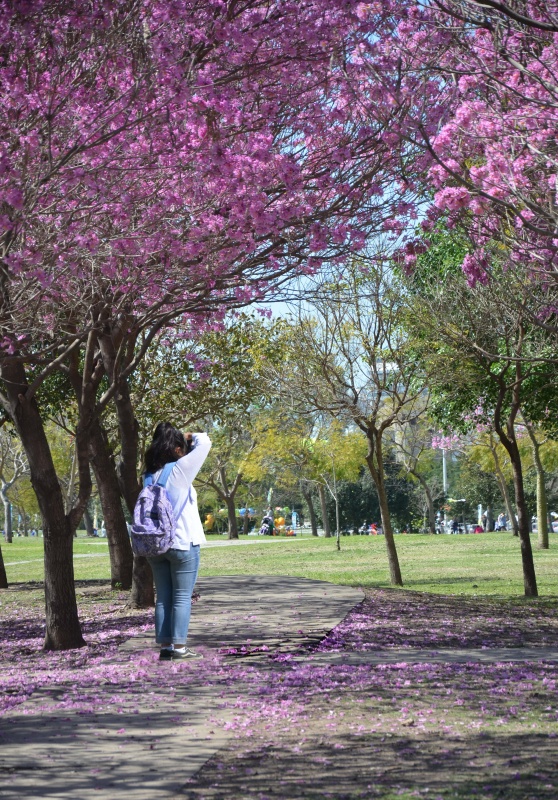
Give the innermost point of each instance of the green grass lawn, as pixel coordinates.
(484, 564)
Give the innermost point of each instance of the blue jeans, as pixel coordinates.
(175, 574)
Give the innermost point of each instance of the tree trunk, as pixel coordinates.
(231, 513)
(508, 504)
(429, 501)
(3, 576)
(504, 489)
(311, 510)
(376, 466)
(128, 427)
(89, 527)
(529, 578)
(393, 559)
(542, 511)
(8, 518)
(142, 594)
(542, 503)
(63, 629)
(323, 504)
(120, 549)
(71, 483)
(228, 495)
(508, 439)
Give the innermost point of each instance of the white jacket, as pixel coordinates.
(183, 496)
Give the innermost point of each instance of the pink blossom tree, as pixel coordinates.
(488, 72)
(160, 162)
(475, 87)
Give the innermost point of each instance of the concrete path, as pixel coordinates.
(402, 655)
(136, 750)
(139, 752)
(242, 614)
(209, 544)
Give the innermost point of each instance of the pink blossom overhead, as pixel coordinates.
(495, 155)
(174, 155)
(442, 441)
(476, 90)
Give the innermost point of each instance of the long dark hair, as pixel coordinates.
(166, 439)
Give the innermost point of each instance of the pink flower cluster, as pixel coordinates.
(476, 90)
(150, 158)
(442, 441)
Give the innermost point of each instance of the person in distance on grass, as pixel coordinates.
(478, 529)
(175, 572)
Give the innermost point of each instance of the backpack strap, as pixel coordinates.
(163, 477)
(165, 472)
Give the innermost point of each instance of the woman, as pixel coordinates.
(175, 571)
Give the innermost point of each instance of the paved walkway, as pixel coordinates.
(209, 544)
(403, 655)
(77, 757)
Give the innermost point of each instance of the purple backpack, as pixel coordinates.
(154, 523)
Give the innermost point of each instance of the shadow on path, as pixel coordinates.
(142, 739)
(504, 767)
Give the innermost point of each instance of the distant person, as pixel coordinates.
(175, 572)
(455, 526)
(267, 525)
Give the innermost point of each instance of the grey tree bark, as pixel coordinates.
(311, 510)
(542, 501)
(374, 459)
(323, 505)
(120, 549)
(63, 630)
